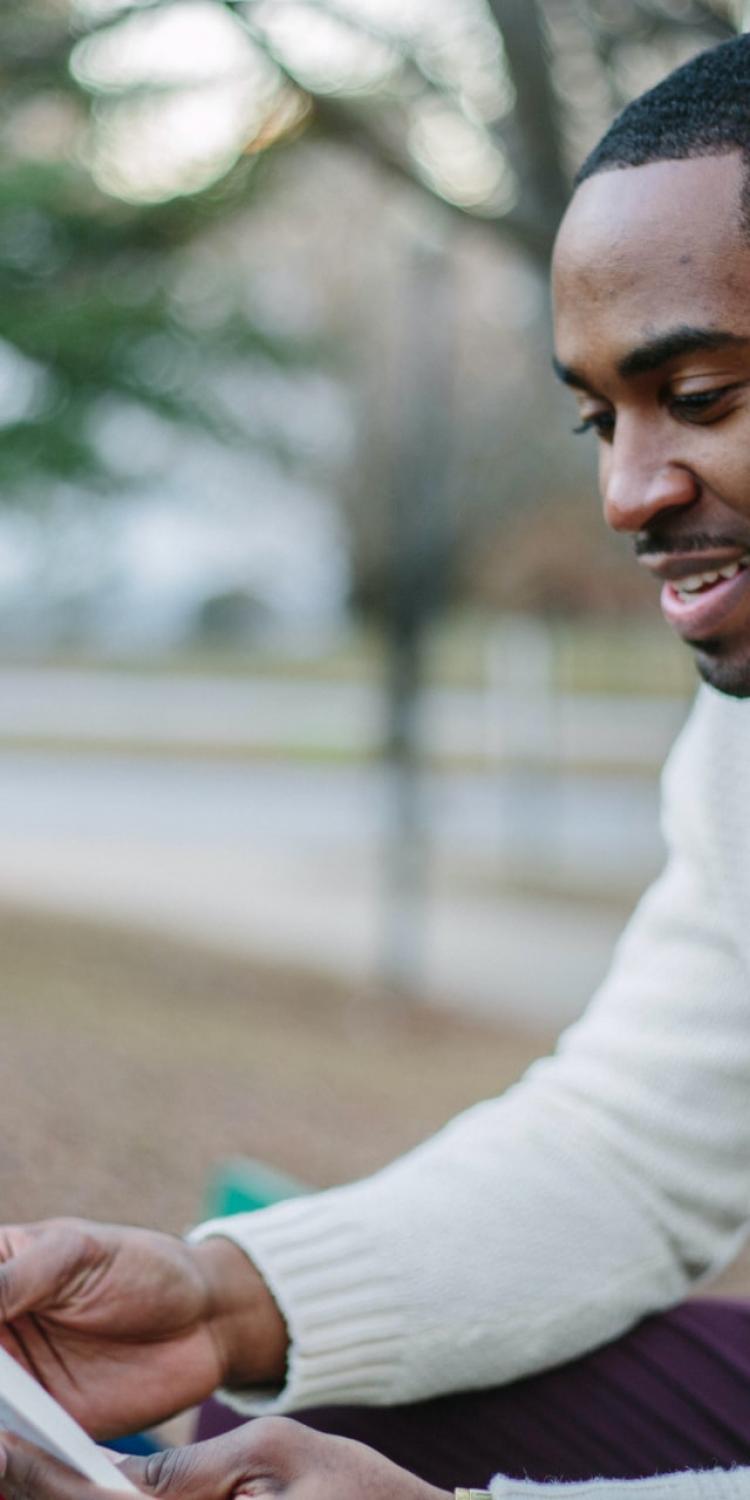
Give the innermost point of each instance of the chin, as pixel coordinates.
(723, 670)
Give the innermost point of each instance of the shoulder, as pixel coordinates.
(707, 775)
(717, 730)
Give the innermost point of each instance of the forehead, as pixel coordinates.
(641, 248)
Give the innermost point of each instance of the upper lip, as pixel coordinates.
(673, 566)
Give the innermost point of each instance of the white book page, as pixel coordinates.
(27, 1409)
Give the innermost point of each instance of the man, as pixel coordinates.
(510, 1260)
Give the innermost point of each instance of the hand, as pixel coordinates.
(272, 1456)
(127, 1326)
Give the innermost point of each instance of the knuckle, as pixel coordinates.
(170, 1469)
(271, 1433)
(158, 1470)
(276, 1442)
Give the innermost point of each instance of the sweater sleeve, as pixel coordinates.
(543, 1223)
(706, 1484)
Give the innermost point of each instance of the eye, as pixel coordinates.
(701, 406)
(600, 422)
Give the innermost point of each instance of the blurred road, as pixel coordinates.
(150, 710)
(284, 860)
(126, 796)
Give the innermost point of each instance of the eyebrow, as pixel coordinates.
(659, 350)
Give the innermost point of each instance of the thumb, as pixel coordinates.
(190, 1472)
(219, 1467)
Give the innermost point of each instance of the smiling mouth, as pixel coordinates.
(708, 604)
(700, 583)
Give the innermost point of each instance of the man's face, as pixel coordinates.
(652, 319)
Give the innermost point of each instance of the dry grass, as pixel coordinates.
(130, 1064)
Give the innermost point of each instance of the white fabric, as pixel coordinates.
(709, 1484)
(600, 1188)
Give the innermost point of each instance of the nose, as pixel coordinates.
(639, 482)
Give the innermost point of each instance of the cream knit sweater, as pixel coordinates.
(545, 1222)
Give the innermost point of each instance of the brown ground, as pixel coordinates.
(130, 1064)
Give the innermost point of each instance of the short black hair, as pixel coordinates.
(701, 109)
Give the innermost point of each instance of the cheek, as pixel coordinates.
(604, 462)
(733, 489)
(723, 467)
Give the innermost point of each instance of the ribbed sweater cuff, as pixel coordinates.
(338, 1300)
(704, 1484)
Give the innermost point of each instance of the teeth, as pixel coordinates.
(696, 581)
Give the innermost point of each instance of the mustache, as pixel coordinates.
(654, 543)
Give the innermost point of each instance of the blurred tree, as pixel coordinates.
(98, 309)
(487, 104)
(131, 129)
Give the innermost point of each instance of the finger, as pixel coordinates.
(53, 1269)
(27, 1471)
(219, 1466)
(32, 1279)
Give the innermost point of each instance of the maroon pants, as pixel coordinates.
(674, 1393)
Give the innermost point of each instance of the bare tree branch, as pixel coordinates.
(540, 168)
(341, 119)
(338, 120)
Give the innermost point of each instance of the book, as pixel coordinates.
(28, 1410)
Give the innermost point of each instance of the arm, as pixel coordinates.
(704, 1484)
(546, 1222)
(248, 1330)
(272, 1459)
(532, 1228)
(276, 1459)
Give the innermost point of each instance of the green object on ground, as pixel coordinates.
(240, 1185)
